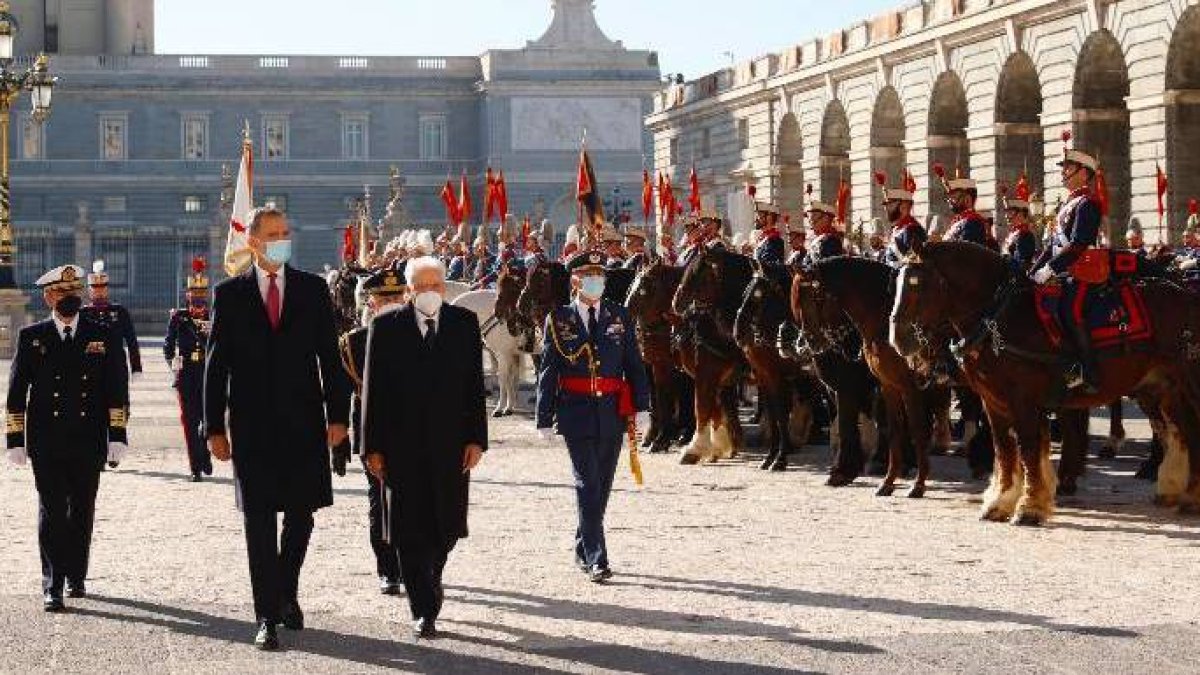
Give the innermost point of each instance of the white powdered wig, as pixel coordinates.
(426, 262)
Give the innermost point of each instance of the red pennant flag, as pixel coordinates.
(502, 195)
(843, 200)
(1102, 193)
(349, 252)
(694, 191)
(1163, 184)
(451, 203)
(647, 196)
(464, 200)
(489, 195)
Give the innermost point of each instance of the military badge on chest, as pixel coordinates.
(96, 347)
(565, 329)
(616, 330)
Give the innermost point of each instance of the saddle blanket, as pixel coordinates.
(1115, 313)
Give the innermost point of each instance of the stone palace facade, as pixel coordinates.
(129, 166)
(986, 85)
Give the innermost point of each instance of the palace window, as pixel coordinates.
(114, 136)
(354, 136)
(194, 204)
(195, 136)
(275, 137)
(433, 137)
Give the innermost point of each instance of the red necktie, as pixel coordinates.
(273, 302)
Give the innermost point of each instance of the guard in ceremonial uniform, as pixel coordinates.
(693, 240)
(797, 242)
(1021, 245)
(830, 242)
(67, 393)
(591, 382)
(484, 260)
(535, 250)
(1077, 230)
(907, 233)
(614, 247)
(462, 264)
(635, 247)
(113, 317)
(876, 248)
(712, 230)
(1135, 239)
(967, 225)
(385, 290)
(184, 349)
(770, 248)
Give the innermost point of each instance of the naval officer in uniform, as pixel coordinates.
(112, 316)
(67, 394)
(591, 381)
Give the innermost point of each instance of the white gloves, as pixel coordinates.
(177, 364)
(547, 435)
(1189, 264)
(116, 451)
(17, 456)
(642, 420)
(1043, 275)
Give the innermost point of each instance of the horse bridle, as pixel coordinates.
(756, 333)
(838, 339)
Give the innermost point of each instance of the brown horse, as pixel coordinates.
(708, 298)
(510, 283)
(1011, 363)
(843, 298)
(649, 305)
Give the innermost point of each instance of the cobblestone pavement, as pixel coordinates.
(720, 569)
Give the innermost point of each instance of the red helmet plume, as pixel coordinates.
(939, 170)
(881, 178)
(198, 265)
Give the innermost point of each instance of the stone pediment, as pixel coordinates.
(574, 27)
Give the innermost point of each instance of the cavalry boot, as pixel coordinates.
(1086, 377)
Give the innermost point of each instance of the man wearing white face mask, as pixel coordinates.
(424, 429)
(591, 381)
(273, 365)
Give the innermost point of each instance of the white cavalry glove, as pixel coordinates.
(177, 364)
(1189, 264)
(547, 435)
(116, 452)
(1043, 275)
(17, 456)
(642, 421)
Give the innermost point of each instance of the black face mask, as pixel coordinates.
(68, 306)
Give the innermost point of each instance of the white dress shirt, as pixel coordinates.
(582, 308)
(62, 325)
(264, 282)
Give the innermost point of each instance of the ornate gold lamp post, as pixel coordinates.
(38, 81)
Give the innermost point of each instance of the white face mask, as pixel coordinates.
(428, 302)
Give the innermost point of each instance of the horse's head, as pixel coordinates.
(920, 306)
(762, 311)
(824, 324)
(546, 287)
(701, 283)
(509, 285)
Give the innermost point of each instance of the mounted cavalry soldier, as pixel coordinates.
(614, 247)
(385, 290)
(67, 394)
(635, 246)
(184, 349)
(907, 233)
(591, 384)
(967, 224)
(1021, 245)
(797, 237)
(1076, 231)
(710, 230)
(829, 242)
(693, 240)
(112, 316)
(770, 248)
(877, 247)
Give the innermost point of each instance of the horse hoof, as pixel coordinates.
(1028, 519)
(838, 480)
(994, 514)
(1067, 489)
(689, 459)
(1166, 501)
(885, 490)
(497, 413)
(779, 465)
(917, 492)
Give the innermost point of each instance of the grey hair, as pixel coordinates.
(257, 215)
(426, 262)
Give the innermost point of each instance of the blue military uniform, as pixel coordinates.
(67, 394)
(771, 250)
(970, 226)
(590, 420)
(184, 349)
(115, 318)
(460, 268)
(907, 235)
(1021, 247)
(828, 245)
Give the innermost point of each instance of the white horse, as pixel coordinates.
(497, 342)
(456, 288)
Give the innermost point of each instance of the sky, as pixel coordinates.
(689, 40)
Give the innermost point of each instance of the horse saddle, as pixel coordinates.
(1114, 313)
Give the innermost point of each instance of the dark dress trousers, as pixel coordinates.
(187, 338)
(66, 401)
(280, 388)
(423, 403)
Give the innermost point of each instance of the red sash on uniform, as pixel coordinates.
(602, 386)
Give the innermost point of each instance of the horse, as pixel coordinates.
(708, 297)
(501, 345)
(843, 297)
(343, 289)
(1011, 362)
(649, 305)
(509, 286)
(785, 388)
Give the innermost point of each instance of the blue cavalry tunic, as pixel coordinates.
(828, 245)
(969, 226)
(907, 234)
(1077, 229)
(770, 251)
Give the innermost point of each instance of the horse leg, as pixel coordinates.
(894, 405)
(1000, 499)
(512, 382)
(1173, 474)
(878, 449)
(1037, 499)
(1149, 467)
(686, 389)
(939, 404)
(919, 418)
(782, 414)
(726, 433)
(1115, 443)
(650, 435)
(663, 420)
(848, 463)
(1072, 463)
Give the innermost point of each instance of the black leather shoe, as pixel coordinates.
(53, 602)
(582, 564)
(267, 639)
(598, 574)
(291, 616)
(76, 589)
(389, 586)
(425, 629)
(197, 478)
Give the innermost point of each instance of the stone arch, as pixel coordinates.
(948, 118)
(835, 152)
(1183, 119)
(788, 153)
(888, 130)
(1020, 141)
(1101, 120)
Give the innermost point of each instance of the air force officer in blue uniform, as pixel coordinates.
(591, 381)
